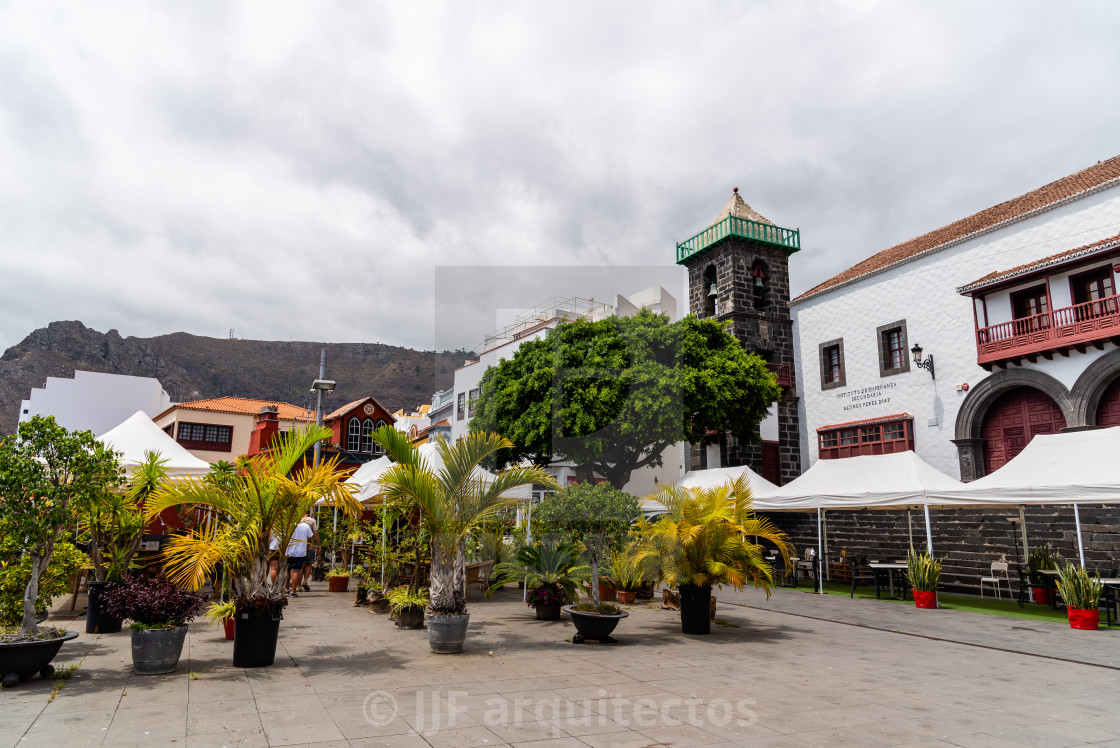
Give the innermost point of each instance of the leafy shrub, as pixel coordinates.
(923, 572)
(546, 594)
(152, 603)
(339, 572)
(1079, 590)
(603, 609)
(403, 597)
(15, 573)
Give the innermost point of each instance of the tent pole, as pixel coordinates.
(334, 540)
(929, 532)
(384, 544)
(1023, 531)
(820, 555)
(910, 528)
(1080, 545)
(528, 539)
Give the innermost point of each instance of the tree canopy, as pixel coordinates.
(611, 395)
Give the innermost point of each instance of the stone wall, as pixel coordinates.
(967, 540)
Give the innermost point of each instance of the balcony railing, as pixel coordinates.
(766, 233)
(783, 372)
(1060, 329)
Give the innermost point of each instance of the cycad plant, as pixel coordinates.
(705, 538)
(261, 502)
(629, 569)
(451, 500)
(1079, 590)
(549, 565)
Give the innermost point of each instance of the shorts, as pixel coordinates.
(295, 563)
(310, 557)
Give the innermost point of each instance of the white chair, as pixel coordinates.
(999, 574)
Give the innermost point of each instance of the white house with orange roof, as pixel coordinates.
(219, 428)
(413, 422)
(967, 341)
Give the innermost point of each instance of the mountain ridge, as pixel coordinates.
(193, 367)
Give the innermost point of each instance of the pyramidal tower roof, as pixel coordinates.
(738, 208)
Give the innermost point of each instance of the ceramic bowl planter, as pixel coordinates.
(1086, 620)
(338, 584)
(446, 634)
(21, 660)
(595, 626)
(157, 651)
(925, 599)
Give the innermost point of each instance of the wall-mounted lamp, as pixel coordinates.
(927, 364)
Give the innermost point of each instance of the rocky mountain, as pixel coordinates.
(191, 367)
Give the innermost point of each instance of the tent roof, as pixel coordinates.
(139, 434)
(1079, 466)
(368, 475)
(720, 476)
(863, 482)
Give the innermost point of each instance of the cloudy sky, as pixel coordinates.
(317, 171)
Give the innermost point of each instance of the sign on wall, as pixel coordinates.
(864, 397)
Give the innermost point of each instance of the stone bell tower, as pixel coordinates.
(738, 271)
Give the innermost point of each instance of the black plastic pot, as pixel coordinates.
(254, 638)
(594, 625)
(21, 660)
(98, 622)
(446, 634)
(548, 612)
(696, 609)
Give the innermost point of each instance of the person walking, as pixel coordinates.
(309, 561)
(297, 555)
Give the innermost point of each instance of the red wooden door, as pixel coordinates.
(1108, 412)
(772, 462)
(1013, 420)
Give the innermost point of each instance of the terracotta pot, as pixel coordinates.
(338, 584)
(925, 599)
(1087, 620)
(627, 596)
(1041, 595)
(607, 592)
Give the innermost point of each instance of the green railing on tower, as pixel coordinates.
(789, 239)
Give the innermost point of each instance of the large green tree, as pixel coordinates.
(612, 394)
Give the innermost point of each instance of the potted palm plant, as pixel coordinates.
(924, 574)
(702, 542)
(627, 572)
(113, 525)
(45, 472)
(452, 499)
(264, 500)
(1038, 563)
(160, 613)
(551, 572)
(1081, 594)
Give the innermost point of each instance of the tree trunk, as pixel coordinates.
(441, 592)
(39, 563)
(594, 574)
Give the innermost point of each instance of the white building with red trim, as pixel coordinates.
(1015, 308)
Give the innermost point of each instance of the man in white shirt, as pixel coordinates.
(297, 555)
(309, 560)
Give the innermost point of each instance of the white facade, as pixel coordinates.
(922, 293)
(93, 401)
(534, 324)
(411, 423)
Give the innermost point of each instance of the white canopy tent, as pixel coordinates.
(1071, 468)
(139, 435)
(712, 478)
(895, 481)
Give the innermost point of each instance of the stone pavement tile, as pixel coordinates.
(551, 743)
(462, 737)
(228, 740)
(57, 720)
(593, 724)
(525, 731)
(288, 728)
(411, 740)
(1039, 737)
(144, 735)
(233, 715)
(358, 722)
(622, 739)
(292, 702)
(679, 735)
(982, 740)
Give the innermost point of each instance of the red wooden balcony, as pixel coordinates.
(1078, 326)
(784, 373)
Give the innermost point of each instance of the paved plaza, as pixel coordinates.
(795, 670)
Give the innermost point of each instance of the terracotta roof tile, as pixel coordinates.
(246, 406)
(1104, 245)
(1018, 208)
(867, 421)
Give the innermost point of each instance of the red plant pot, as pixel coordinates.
(627, 597)
(338, 584)
(1087, 620)
(925, 599)
(607, 592)
(1041, 595)
(228, 625)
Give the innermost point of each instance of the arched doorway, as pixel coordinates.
(1108, 411)
(1015, 418)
